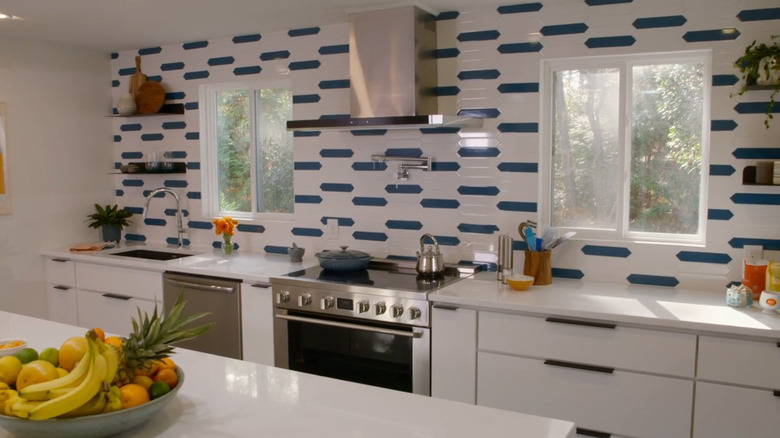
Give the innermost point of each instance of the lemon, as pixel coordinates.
(36, 371)
(10, 366)
(62, 372)
(51, 355)
(27, 355)
(144, 381)
(71, 351)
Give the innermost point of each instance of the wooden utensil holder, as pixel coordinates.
(539, 266)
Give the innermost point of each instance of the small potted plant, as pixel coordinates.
(760, 65)
(111, 219)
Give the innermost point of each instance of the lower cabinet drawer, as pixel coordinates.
(109, 313)
(61, 303)
(727, 412)
(136, 283)
(618, 403)
(739, 361)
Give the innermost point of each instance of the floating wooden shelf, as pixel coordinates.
(167, 109)
(178, 167)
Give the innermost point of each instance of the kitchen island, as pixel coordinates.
(228, 397)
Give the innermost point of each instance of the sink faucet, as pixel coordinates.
(179, 226)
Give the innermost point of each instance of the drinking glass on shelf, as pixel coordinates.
(152, 162)
(167, 164)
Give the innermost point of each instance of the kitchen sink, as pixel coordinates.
(151, 254)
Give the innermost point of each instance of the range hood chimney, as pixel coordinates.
(393, 74)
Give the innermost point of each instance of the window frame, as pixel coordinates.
(624, 63)
(207, 102)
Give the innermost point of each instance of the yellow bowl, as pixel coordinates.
(520, 282)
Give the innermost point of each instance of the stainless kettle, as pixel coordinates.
(428, 261)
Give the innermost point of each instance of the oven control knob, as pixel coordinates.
(283, 297)
(380, 307)
(414, 313)
(327, 303)
(398, 310)
(363, 306)
(304, 300)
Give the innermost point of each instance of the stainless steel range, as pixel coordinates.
(370, 326)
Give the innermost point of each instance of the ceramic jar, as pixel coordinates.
(126, 104)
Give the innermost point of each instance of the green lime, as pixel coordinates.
(51, 355)
(27, 355)
(159, 389)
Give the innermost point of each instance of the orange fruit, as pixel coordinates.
(36, 371)
(133, 395)
(148, 369)
(168, 376)
(167, 362)
(144, 381)
(71, 351)
(116, 341)
(100, 333)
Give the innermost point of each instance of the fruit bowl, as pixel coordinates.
(520, 282)
(11, 346)
(93, 426)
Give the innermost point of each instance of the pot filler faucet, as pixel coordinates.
(179, 227)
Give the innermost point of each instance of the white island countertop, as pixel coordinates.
(227, 397)
(653, 306)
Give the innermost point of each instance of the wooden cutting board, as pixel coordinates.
(138, 77)
(149, 98)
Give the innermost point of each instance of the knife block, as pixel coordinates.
(539, 266)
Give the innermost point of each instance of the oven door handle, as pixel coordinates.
(350, 326)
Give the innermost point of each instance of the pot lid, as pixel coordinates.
(344, 254)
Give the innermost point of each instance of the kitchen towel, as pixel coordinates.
(90, 246)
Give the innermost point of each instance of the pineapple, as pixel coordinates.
(153, 336)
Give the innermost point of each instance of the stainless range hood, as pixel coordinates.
(393, 74)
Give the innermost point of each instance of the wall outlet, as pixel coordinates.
(331, 228)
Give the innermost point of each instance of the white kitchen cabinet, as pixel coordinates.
(61, 290)
(108, 296)
(608, 401)
(738, 388)
(257, 325)
(453, 353)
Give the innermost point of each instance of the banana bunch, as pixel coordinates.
(86, 390)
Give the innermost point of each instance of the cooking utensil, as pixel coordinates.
(561, 239)
(343, 260)
(138, 77)
(149, 98)
(428, 261)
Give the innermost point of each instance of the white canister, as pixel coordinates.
(126, 104)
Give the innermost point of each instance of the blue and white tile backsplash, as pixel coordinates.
(484, 182)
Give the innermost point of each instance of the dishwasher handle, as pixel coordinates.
(203, 287)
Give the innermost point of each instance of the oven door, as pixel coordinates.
(386, 355)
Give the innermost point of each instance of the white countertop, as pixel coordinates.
(658, 307)
(246, 266)
(228, 397)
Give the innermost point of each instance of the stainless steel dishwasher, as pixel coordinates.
(219, 296)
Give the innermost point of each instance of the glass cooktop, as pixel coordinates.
(390, 275)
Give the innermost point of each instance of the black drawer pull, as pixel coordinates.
(61, 287)
(445, 307)
(60, 260)
(778, 345)
(261, 285)
(117, 297)
(578, 366)
(776, 393)
(585, 323)
(593, 433)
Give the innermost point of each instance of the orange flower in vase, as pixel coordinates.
(226, 226)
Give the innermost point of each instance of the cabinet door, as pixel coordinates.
(257, 325)
(740, 361)
(729, 411)
(61, 301)
(110, 312)
(616, 402)
(453, 353)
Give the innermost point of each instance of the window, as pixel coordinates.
(625, 146)
(246, 151)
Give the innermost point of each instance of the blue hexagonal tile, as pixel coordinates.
(168, 66)
(337, 187)
(446, 91)
(247, 70)
(723, 125)
(520, 8)
(222, 60)
(724, 80)
(755, 107)
(308, 199)
(759, 14)
(441, 130)
(369, 201)
(757, 153)
(697, 36)
(246, 38)
(306, 98)
(313, 232)
(768, 244)
(704, 257)
(574, 274)
(273, 249)
(155, 222)
(478, 74)
(611, 41)
(478, 152)
(132, 182)
(369, 166)
(200, 225)
(756, 198)
(721, 170)
(303, 32)
(270, 56)
(130, 127)
(518, 127)
(403, 189)
(605, 2)
(307, 165)
(719, 214)
(150, 51)
(563, 29)
(447, 15)
(193, 195)
(480, 113)
(479, 190)
(336, 153)
(519, 167)
(151, 137)
(531, 47)
(477, 228)
(174, 125)
(451, 52)
(403, 225)
(343, 221)
(368, 132)
(481, 35)
(445, 166)
(440, 203)
(333, 84)
(520, 87)
(304, 65)
(517, 206)
(306, 134)
(655, 22)
(606, 251)
(334, 50)
(192, 75)
(195, 45)
(369, 235)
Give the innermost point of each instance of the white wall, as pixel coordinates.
(60, 154)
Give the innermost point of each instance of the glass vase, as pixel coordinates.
(227, 247)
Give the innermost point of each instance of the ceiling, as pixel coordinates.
(118, 25)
